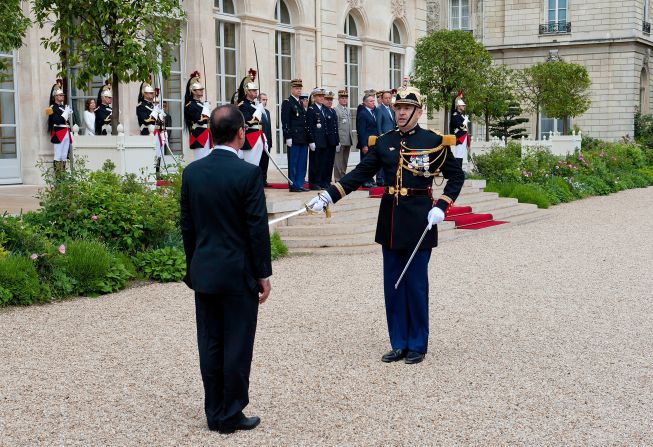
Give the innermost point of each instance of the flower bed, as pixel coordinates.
(539, 177)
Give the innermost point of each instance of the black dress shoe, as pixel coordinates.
(414, 357)
(393, 356)
(315, 188)
(296, 189)
(368, 185)
(244, 423)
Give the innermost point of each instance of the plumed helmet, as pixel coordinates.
(459, 100)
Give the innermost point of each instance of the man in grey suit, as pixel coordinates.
(344, 132)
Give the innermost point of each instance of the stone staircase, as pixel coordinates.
(353, 223)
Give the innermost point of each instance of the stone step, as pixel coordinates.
(329, 241)
(339, 229)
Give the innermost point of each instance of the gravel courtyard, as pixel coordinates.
(541, 334)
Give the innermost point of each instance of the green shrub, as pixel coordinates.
(594, 185)
(537, 164)
(524, 193)
(122, 211)
(5, 296)
(20, 281)
(91, 267)
(166, 264)
(21, 237)
(500, 164)
(279, 249)
(558, 190)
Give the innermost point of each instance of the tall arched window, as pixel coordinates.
(9, 154)
(283, 50)
(459, 14)
(352, 67)
(172, 94)
(226, 49)
(396, 56)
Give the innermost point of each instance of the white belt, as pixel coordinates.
(195, 126)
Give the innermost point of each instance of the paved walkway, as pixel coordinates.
(17, 198)
(541, 334)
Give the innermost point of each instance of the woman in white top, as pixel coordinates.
(89, 117)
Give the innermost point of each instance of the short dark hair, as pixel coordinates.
(226, 120)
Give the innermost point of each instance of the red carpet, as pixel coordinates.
(464, 219)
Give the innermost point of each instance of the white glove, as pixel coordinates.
(318, 204)
(206, 110)
(338, 148)
(435, 217)
(466, 120)
(258, 114)
(160, 113)
(312, 146)
(65, 114)
(289, 142)
(154, 113)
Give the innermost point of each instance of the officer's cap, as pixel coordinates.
(409, 95)
(343, 93)
(296, 83)
(329, 94)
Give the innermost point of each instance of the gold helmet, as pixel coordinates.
(57, 88)
(409, 95)
(146, 87)
(459, 100)
(105, 91)
(194, 82)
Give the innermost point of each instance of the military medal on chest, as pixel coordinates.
(418, 162)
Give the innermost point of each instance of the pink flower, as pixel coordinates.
(34, 257)
(62, 249)
(93, 217)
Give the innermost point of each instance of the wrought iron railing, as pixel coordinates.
(646, 27)
(555, 28)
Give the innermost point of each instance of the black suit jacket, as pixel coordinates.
(267, 128)
(365, 126)
(224, 225)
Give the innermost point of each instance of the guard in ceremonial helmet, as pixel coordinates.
(152, 115)
(196, 115)
(59, 126)
(411, 158)
(104, 111)
(458, 126)
(246, 100)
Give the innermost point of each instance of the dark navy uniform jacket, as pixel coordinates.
(143, 111)
(193, 112)
(102, 118)
(457, 127)
(293, 121)
(332, 137)
(402, 219)
(316, 125)
(57, 123)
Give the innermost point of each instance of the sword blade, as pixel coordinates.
(277, 166)
(426, 230)
(287, 216)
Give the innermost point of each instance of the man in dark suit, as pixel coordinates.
(293, 122)
(365, 127)
(224, 226)
(267, 130)
(385, 122)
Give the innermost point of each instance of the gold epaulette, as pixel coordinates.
(188, 103)
(240, 103)
(371, 140)
(49, 111)
(448, 140)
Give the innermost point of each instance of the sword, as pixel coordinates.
(304, 209)
(412, 256)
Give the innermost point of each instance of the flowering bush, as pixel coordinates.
(600, 168)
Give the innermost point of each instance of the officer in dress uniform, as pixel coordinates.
(332, 139)
(317, 142)
(196, 116)
(411, 157)
(293, 124)
(458, 127)
(246, 100)
(344, 135)
(59, 126)
(103, 112)
(150, 114)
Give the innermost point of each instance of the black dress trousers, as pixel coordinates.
(226, 325)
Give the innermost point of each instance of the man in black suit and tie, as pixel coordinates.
(224, 225)
(267, 130)
(365, 127)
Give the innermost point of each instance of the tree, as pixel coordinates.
(127, 40)
(532, 84)
(567, 94)
(558, 88)
(13, 26)
(505, 125)
(495, 94)
(446, 62)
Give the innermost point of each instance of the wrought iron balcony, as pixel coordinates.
(555, 28)
(646, 27)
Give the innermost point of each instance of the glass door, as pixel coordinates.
(9, 150)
